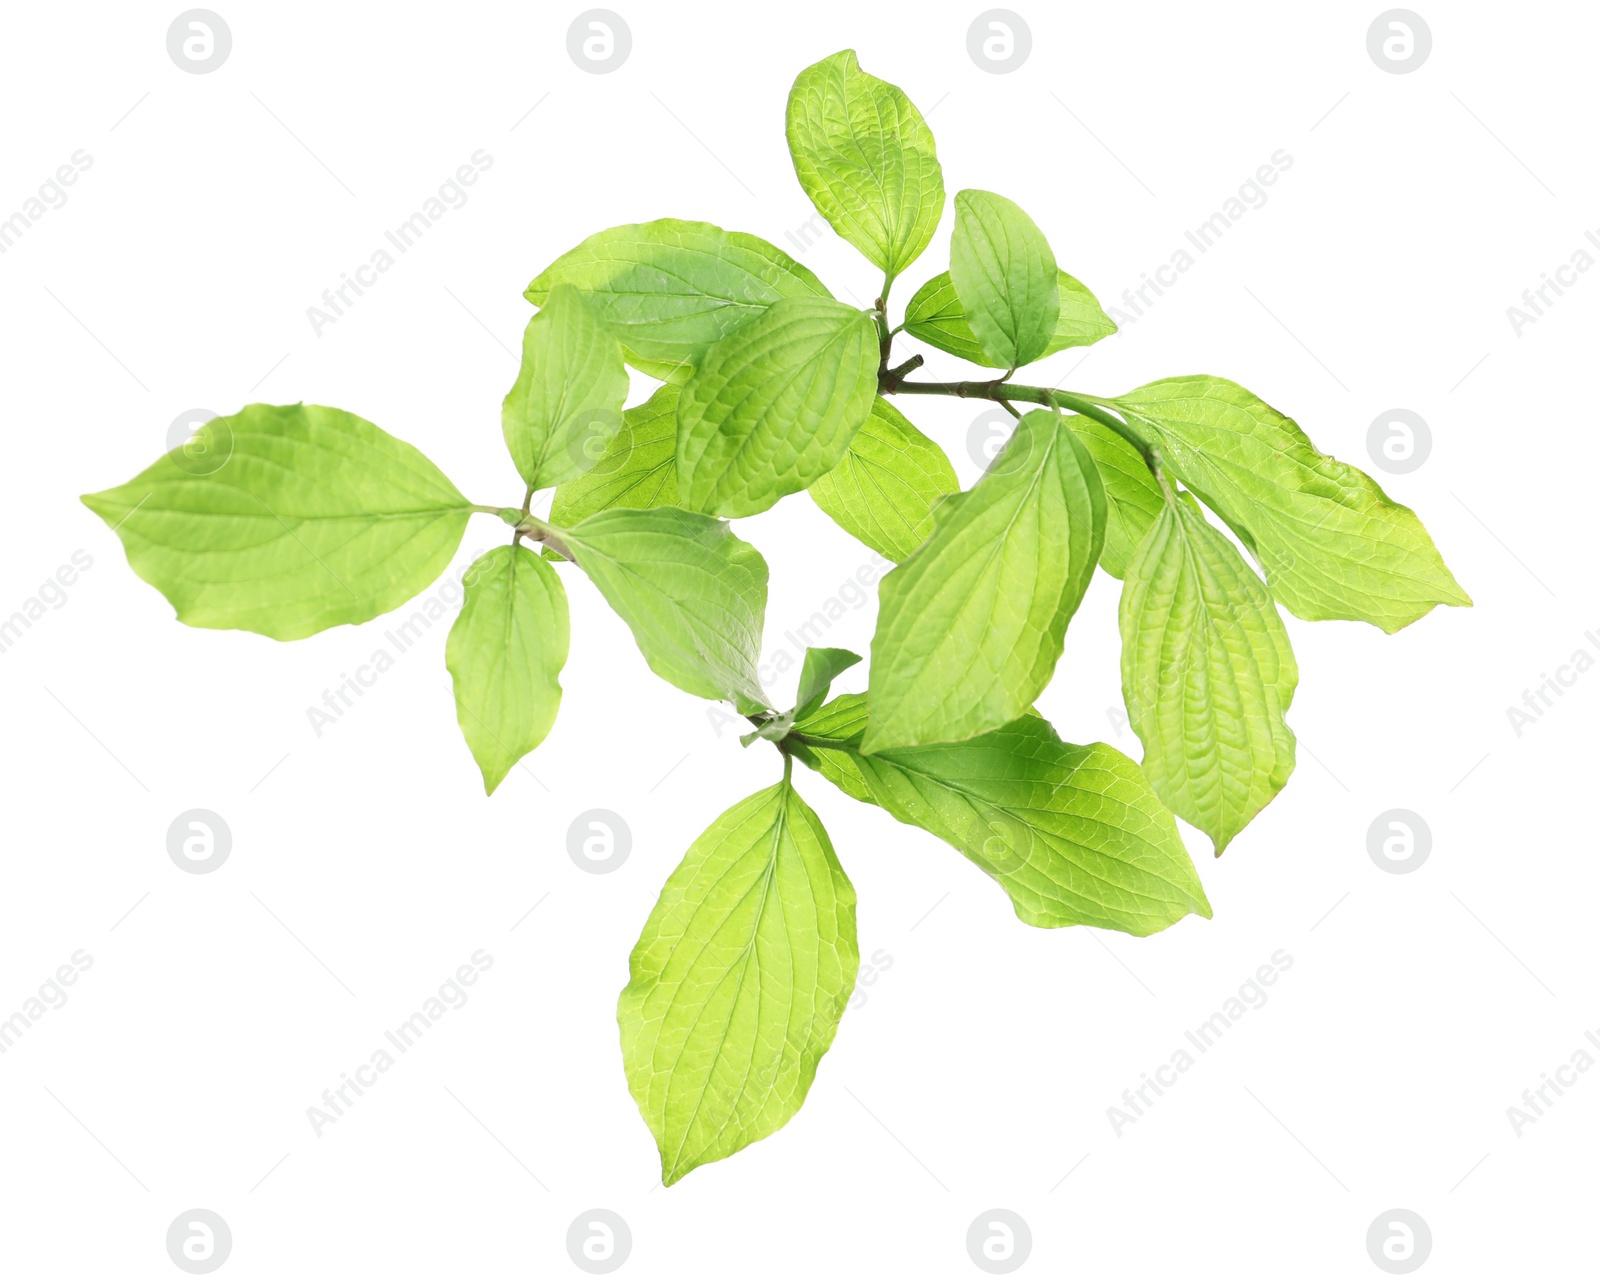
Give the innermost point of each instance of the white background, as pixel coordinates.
(976, 1071)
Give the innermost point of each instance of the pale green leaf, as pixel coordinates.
(671, 288)
(693, 593)
(1072, 833)
(301, 518)
(866, 159)
(738, 981)
(1332, 544)
(566, 403)
(1207, 674)
(935, 315)
(817, 672)
(505, 654)
(970, 627)
(638, 469)
(774, 406)
(885, 488)
(1133, 498)
(1005, 278)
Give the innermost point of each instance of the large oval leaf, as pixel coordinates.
(935, 316)
(1332, 544)
(693, 593)
(671, 288)
(773, 406)
(566, 403)
(1207, 674)
(885, 488)
(1005, 277)
(971, 626)
(297, 518)
(637, 470)
(866, 159)
(738, 981)
(1072, 833)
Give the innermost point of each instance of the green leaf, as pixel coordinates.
(738, 981)
(1332, 544)
(1207, 674)
(866, 159)
(670, 289)
(693, 593)
(885, 488)
(817, 672)
(935, 315)
(1072, 833)
(505, 653)
(638, 470)
(1005, 277)
(312, 518)
(774, 406)
(970, 627)
(567, 401)
(1133, 498)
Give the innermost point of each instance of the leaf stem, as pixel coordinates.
(880, 319)
(547, 535)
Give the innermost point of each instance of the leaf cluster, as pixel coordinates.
(287, 520)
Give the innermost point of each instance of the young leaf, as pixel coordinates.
(1005, 277)
(970, 626)
(817, 672)
(866, 159)
(638, 470)
(773, 406)
(1207, 674)
(738, 981)
(670, 289)
(693, 593)
(1072, 833)
(1133, 499)
(885, 488)
(567, 400)
(1332, 544)
(313, 518)
(505, 654)
(935, 316)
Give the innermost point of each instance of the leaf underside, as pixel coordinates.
(1207, 674)
(312, 518)
(1073, 833)
(505, 653)
(738, 981)
(1332, 544)
(971, 626)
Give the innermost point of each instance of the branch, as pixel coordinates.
(997, 390)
